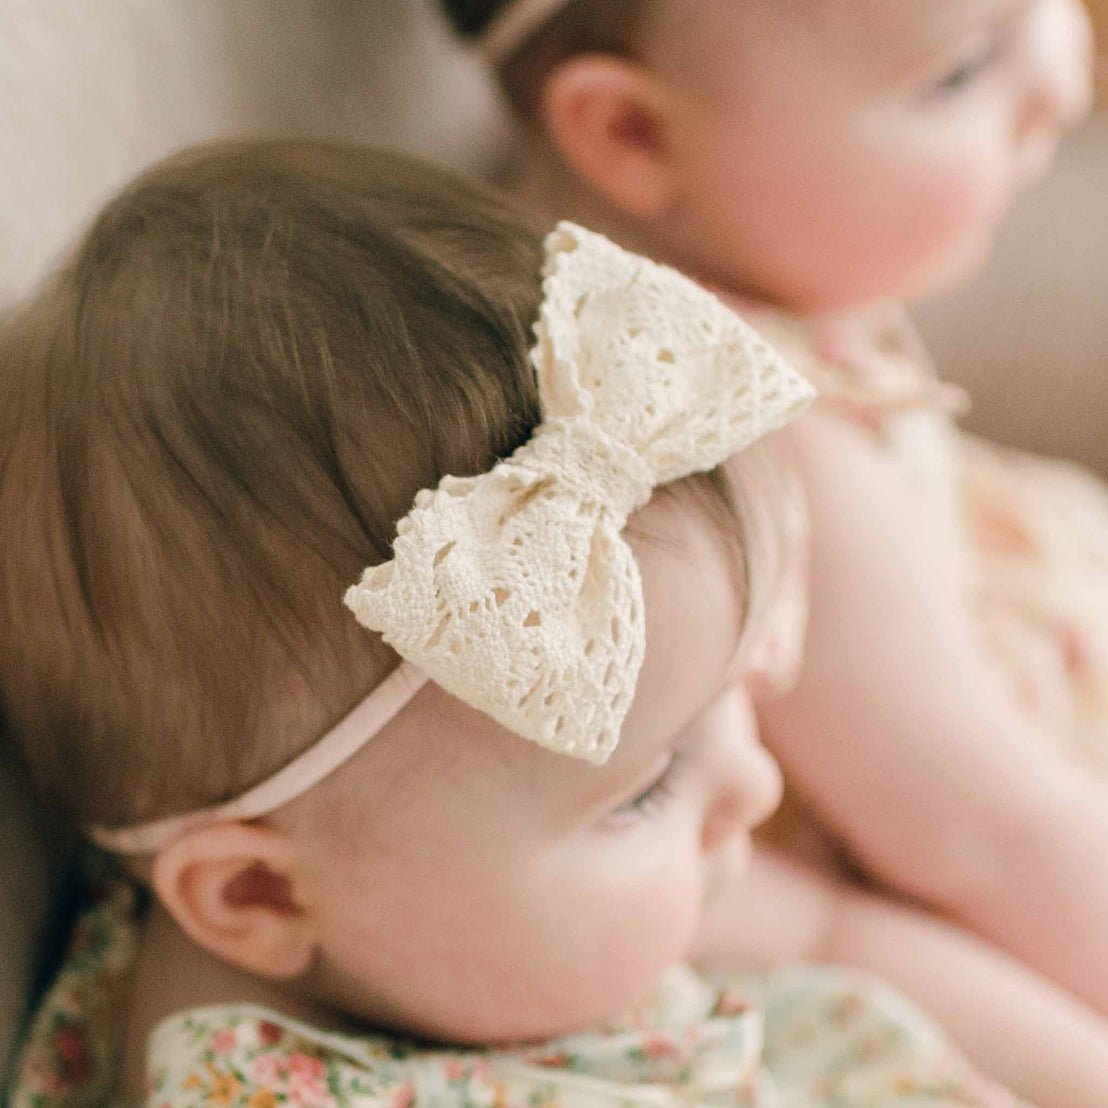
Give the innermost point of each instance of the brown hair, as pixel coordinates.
(581, 27)
(209, 423)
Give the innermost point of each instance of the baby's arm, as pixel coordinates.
(904, 736)
(1012, 1024)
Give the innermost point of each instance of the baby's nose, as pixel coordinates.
(1061, 67)
(747, 788)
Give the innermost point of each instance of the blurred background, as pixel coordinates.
(93, 92)
(1029, 338)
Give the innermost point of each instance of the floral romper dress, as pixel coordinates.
(796, 1038)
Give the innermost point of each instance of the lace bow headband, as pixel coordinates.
(515, 590)
(513, 25)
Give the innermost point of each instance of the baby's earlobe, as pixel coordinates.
(231, 889)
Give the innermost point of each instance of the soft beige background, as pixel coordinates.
(91, 90)
(1029, 339)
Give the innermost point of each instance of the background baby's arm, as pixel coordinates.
(903, 735)
(1010, 1022)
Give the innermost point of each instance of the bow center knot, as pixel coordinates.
(602, 473)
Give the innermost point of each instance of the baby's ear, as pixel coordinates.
(612, 123)
(233, 889)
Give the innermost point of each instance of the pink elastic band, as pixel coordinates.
(323, 757)
(514, 25)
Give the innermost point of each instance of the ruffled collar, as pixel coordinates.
(694, 1040)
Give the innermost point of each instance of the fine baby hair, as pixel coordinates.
(213, 418)
(223, 403)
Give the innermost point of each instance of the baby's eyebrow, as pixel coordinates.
(942, 25)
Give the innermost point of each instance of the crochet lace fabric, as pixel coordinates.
(515, 590)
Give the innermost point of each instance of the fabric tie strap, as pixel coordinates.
(515, 23)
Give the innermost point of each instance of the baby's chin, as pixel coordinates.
(959, 270)
(514, 1028)
(939, 277)
(855, 281)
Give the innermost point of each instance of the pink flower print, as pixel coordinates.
(555, 1060)
(999, 529)
(869, 1050)
(731, 1003)
(1072, 640)
(38, 1074)
(403, 1097)
(269, 1069)
(308, 1082)
(309, 1094)
(71, 1043)
(224, 1042)
(307, 1067)
(453, 1069)
(656, 1045)
(269, 1033)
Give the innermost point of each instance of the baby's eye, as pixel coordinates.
(654, 797)
(968, 70)
(975, 64)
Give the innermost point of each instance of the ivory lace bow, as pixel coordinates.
(515, 590)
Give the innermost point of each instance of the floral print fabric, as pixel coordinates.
(798, 1038)
(72, 1053)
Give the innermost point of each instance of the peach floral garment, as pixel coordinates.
(799, 1038)
(1033, 531)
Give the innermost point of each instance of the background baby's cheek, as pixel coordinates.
(958, 223)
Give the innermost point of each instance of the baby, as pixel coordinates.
(810, 161)
(506, 815)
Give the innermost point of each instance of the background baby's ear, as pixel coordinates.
(233, 888)
(613, 124)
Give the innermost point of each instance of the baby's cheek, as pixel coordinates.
(957, 218)
(920, 227)
(641, 931)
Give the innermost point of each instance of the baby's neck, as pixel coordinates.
(173, 974)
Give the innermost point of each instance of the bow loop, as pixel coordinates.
(528, 600)
(515, 590)
(652, 358)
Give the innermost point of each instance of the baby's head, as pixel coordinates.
(211, 422)
(816, 153)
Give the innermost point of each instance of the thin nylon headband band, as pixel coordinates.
(322, 758)
(513, 25)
